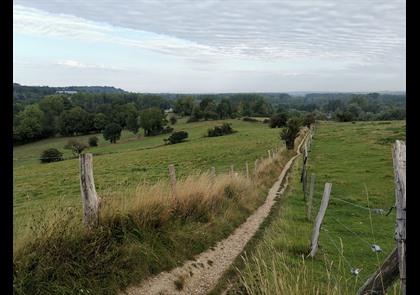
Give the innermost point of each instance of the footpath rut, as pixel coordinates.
(202, 274)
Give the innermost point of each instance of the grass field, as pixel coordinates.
(142, 230)
(357, 160)
(133, 160)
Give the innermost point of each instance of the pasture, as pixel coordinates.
(132, 161)
(357, 160)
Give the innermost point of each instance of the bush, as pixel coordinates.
(291, 131)
(249, 119)
(278, 120)
(177, 137)
(93, 141)
(266, 121)
(75, 146)
(51, 155)
(220, 130)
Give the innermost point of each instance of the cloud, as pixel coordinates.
(327, 29)
(80, 65)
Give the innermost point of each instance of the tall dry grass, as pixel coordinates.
(141, 232)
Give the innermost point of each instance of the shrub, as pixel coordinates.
(75, 146)
(249, 119)
(93, 141)
(266, 121)
(51, 155)
(173, 120)
(309, 119)
(278, 120)
(224, 129)
(177, 137)
(112, 132)
(291, 131)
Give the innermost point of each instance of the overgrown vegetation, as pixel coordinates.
(142, 232)
(291, 131)
(224, 129)
(51, 155)
(177, 137)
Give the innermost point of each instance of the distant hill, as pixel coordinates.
(35, 93)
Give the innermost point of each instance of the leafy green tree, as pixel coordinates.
(309, 119)
(75, 121)
(29, 127)
(93, 141)
(224, 109)
(278, 120)
(184, 106)
(112, 132)
(291, 131)
(52, 106)
(152, 120)
(100, 121)
(173, 120)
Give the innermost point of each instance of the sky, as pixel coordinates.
(210, 46)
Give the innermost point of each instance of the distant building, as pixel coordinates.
(65, 92)
(169, 110)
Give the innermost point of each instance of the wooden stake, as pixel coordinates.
(383, 278)
(269, 154)
(172, 178)
(310, 197)
(88, 191)
(212, 174)
(399, 161)
(320, 218)
(247, 169)
(255, 165)
(231, 170)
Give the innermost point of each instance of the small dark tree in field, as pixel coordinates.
(75, 146)
(173, 120)
(224, 129)
(112, 132)
(177, 137)
(290, 133)
(309, 119)
(51, 155)
(278, 120)
(93, 141)
(152, 120)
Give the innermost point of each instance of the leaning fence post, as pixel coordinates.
(319, 218)
(247, 169)
(399, 161)
(172, 177)
(311, 194)
(88, 191)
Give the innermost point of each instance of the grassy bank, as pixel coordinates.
(122, 166)
(357, 160)
(143, 232)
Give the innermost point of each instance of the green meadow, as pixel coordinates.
(357, 160)
(133, 160)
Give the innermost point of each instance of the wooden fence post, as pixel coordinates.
(269, 154)
(172, 177)
(399, 161)
(310, 197)
(256, 165)
(383, 278)
(231, 170)
(319, 218)
(88, 191)
(212, 174)
(247, 169)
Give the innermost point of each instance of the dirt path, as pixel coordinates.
(201, 275)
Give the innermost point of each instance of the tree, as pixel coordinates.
(112, 132)
(278, 120)
(224, 109)
(52, 106)
(309, 119)
(177, 137)
(29, 127)
(173, 120)
(100, 121)
(290, 133)
(152, 120)
(76, 121)
(184, 106)
(77, 147)
(51, 155)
